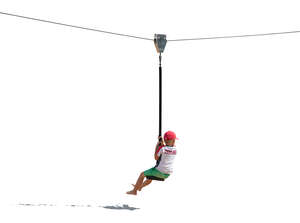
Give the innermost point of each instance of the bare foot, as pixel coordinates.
(134, 186)
(132, 192)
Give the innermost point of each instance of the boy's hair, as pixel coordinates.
(169, 141)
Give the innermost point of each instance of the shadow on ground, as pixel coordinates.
(114, 207)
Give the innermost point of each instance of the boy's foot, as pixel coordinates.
(134, 186)
(132, 192)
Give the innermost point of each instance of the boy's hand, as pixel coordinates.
(160, 140)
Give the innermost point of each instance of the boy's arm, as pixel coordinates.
(155, 153)
(159, 143)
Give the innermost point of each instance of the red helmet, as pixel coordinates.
(169, 135)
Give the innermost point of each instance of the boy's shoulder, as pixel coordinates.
(170, 147)
(170, 150)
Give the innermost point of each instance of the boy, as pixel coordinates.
(165, 153)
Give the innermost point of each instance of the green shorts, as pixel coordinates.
(153, 172)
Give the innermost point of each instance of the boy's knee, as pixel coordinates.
(142, 174)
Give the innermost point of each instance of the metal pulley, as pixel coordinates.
(160, 41)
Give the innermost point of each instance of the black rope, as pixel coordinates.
(160, 96)
(74, 26)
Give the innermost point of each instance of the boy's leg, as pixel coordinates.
(138, 184)
(145, 183)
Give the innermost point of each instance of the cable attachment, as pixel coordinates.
(160, 59)
(160, 41)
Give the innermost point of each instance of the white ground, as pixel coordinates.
(79, 112)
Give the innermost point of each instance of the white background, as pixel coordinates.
(79, 111)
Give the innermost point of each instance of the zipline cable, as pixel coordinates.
(74, 26)
(237, 36)
(144, 38)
